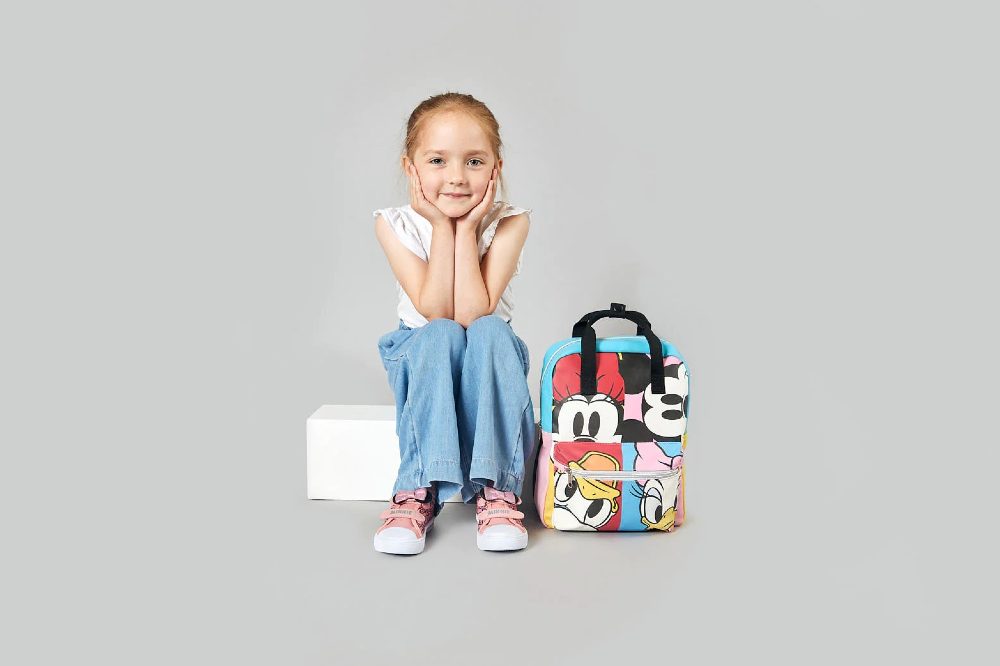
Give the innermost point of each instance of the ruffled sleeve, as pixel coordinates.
(503, 210)
(403, 229)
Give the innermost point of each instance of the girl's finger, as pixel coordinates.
(416, 183)
(415, 192)
(487, 201)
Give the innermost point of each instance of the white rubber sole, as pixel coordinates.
(387, 541)
(495, 539)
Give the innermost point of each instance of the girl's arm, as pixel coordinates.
(472, 300)
(478, 287)
(437, 290)
(429, 285)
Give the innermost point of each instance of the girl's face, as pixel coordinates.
(454, 157)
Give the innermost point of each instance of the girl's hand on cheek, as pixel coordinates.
(476, 215)
(420, 203)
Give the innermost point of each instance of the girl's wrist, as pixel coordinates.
(466, 228)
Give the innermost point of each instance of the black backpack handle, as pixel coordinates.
(584, 329)
(617, 311)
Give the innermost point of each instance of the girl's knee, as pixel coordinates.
(490, 324)
(447, 329)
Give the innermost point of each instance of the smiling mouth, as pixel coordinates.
(456, 196)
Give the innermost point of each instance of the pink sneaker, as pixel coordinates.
(499, 521)
(408, 518)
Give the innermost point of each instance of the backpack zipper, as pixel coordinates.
(615, 476)
(546, 368)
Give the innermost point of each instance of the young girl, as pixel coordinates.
(458, 372)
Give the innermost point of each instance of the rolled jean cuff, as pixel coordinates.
(438, 470)
(487, 468)
(446, 474)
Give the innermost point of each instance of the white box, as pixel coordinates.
(352, 452)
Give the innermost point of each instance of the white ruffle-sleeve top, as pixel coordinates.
(414, 230)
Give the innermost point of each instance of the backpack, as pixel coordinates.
(613, 424)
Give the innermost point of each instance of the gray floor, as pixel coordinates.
(764, 578)
(195, 544)
(723, 586)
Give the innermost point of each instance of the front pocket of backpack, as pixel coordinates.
(585, 503)
(613, 486)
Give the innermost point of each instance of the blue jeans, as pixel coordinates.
(463, 408)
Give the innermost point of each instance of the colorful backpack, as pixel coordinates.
(613, 430)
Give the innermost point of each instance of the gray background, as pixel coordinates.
(799, 195)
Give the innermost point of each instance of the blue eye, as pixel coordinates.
(434, 160)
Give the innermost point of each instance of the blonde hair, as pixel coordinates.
(452, 101)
